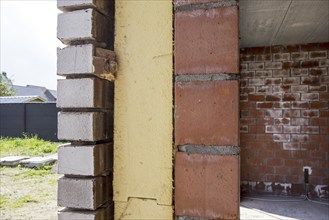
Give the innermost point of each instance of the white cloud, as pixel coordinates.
(28, 41)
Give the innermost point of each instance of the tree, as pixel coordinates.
(6, 88)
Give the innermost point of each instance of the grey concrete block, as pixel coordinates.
(86, 60)
(84, 193)
(85, 126)
(84, 26)
(85, 93)
(38, 162)
(12, 160)
(90, 160)
(71, 5)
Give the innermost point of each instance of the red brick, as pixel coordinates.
(299, 88)
(300, 121)
(282, 88)
(318, 88)
(264, 105)
(256, 129)
(291, 129)
(256, 82)
(324, 97)
(244, 129)
(275, 162)
(192, 2)
(324, 113)
(310, 96)
(256, 66)
(266, 57)
(253, 97)
(299, 56)
(309, 64)
(247, 90)
(273, 129)
(309, 47)
(291, 146)
(310, 113)
(318, 71)
(202, 182)
(263, 73)
(204, 118)
(310, 129)
(299, 138)
(246, 137)
(291, 113)
(265, 121)
(324, 79)
(276, 97)
(243, 83)
(324, 46)
(300, 105)
(263, 89)
(256, 113)
(291, 64)
(319, 138)
(264, 137)
(291, 97)
(281, 137)
(319, 121)
(291, 80)
(277, 113)
(243, 66)
(247, 74)
(292, 48)
(324, 63)
(299, 72)
(273, 65)
(280, 73)
(310, 80)
(272, 81)
(318, 105)
(281, 121)
(243, 98)
(318, 54)
(206, 41)
(292, 163)
(248, 121)
(245, 58)
(281, 57)
(282, 154)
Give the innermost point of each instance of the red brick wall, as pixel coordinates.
(284, 117)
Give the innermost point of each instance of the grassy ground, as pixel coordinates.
(31, 146)
(28, 193)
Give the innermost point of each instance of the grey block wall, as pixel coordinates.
(86, 98)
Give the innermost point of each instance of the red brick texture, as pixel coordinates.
(206, 113)
(206, 110)
(206, 41)
(207, 186)
(284, 113)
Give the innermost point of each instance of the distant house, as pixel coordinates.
(21, 99)
(31, 91)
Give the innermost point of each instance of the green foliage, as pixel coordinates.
(5, 89)
(28, 145)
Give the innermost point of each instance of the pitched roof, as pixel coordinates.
(30, 90)
(21, 99)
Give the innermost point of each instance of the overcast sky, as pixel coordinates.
(28, 41)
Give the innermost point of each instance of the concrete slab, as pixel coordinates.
(12, 160)
(38, 162)
(282, 208)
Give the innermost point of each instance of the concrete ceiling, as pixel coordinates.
(283, 22)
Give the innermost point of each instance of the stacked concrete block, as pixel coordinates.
(86, 100)
(206, 109)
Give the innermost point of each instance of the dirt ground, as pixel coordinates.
(28, 193)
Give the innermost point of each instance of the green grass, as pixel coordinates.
(28, 145)
(21, 201)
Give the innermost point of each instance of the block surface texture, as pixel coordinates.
(207, 186)
(206, 41)
(206, 113)
(84, 126)
(85, 93)
(87, 193)
(88, 160)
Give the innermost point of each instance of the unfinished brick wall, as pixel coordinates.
(206, 109)
(284, 124)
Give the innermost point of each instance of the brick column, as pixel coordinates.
(86, 100)
(206, 109)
